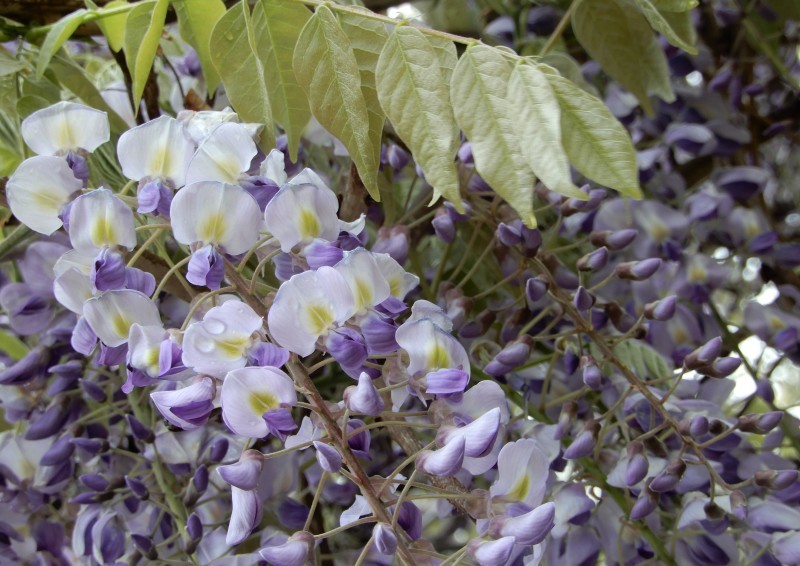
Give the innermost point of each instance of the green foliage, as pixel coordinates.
(675, 5)
(233, 53)
(618, 37)
(12, 346)
(142, 34)
(640, 357)
(415, 97)
(478, 90)
(9, 65)
(327, 70)
(113, 27)
(595, 142)
(55, 38)
(196, 19)
(277, 28)
(661, 24)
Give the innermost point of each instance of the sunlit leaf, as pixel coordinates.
(538, 128)
(662, 24)
(367, 38)
(675, 5)
(196, 19)
(277, 27)
(142, 34)
(478, 91)
(241, 71)
(55, 38)
(327, 70)
(113, 27)
(448, 57)
(595, 142)
(618, 37)
(414, 96)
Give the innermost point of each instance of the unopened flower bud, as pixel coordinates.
(661, 310)
(638, 270)
(614, 241)
(294, 552)
(583, 300)
(669, 477)
(510, 234)
(568, 412)
(138, 430)
(637, 468)
(95, 482)
(775, 479)
(446, 461)
(713, 511)
(364, 397)
(328, 457)
(137, 487)
(385, 539)
(704, 355)
(535, 289)
(738, 504)
(760, 424)
(645, 504)
(145, 545)
(593, 261)
(698, 426)
(592, 376)
(584, 443)
(200, 478)
(218, 450)
(491, 552)
(194, 527)
(443, 226)
(529, 528)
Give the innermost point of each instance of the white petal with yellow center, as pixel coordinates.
(112, 313)
(223, 156)
(63, 127)
(38, 191)
(158, 149)
(98, 219)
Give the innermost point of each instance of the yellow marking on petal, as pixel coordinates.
(151, 356)
(309, 225)
(230, 168)
(64, 136)
(319, 317)
(261, 402)
(161, 161)
(234, 347)
(120, 324)
(363, 294)
(103, 232)
(46, 201)
(697, 273)
(679, 336)
(437, 356)
(775, 323)
(394, 286)
(658, 230)
(213, 228)
(520, 489)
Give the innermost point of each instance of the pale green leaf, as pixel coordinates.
(196, 19)
(681, 24)
(478, 91)
(618, 37)
(143, 29)
(55, 38)
(73, 78)
(277, 28)
(538, 129)
(595, 142)
(367, 37)
(113, 27)
(104, 168)
(676, 5)
(661, 24)
(8, 64)
(447, 54)
(326, 68)
(569, 69)
(12, 346)
(242, 73)
(413, 94)
(641, 358)
(30, 103)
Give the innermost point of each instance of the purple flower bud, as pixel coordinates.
(764, 390)
(112, 543)
(446, 382)
(194, 527)
(385, 539)
(294, 552)
(638, 270)
(614, 241)
(661, 310)
(392, 241)
(785, 339)
(636, 469)
(48, 423)
(218, 450)
(364, 397)
(59, 452)
(95, 482)
(358, 443)
(568, 412)
(593, 261)
(775, 479)
(137, 487)
(397, 157)
(645, 504)
(108, 271)
(531, 238)
(349, 348)
(742, 183)
(531, 527)
(280, 423)
(583, 300)
(328, 457)
(491, 552)
(592, 376)
(446, 461)
(515, 353)
(200, 478)
(443, 226)
(144, 544)
(760, 424)
(698, 426)
(320, 253)
(738, 504)
(584, 443)
(535, 289)
(243, 474)
(30, 366)
(206, 268)
(704, 355)
(510, 235)
(669, 477)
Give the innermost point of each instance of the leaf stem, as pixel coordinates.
(559, 31)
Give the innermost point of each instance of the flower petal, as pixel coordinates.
(39, 189)
(112, 313)
(158, 149)
(98, 219)
(65, 126)
(223, 156)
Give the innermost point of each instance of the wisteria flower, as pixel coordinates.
(224, 155)
(65, 127)
(112, 313)
(99, 220)
(249, 394)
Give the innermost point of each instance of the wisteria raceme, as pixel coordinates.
(211, 353)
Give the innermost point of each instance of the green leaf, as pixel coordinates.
(675, 5)
(448, 57)
(142, 34)
(277, 28)
(538, 129)
(618, 37)
(104, 168)
(233, 53)
(569, 69)
(681, 24)
(641, 358)
(74, 78)
(113, 27)
(196, 19)
(661, 24)
(416, 100)
(8, 64)
(596, 143)
(55, 38)
(30, 103)
(326, 68)
(12, 346)
(367, 38)
(478, 91)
